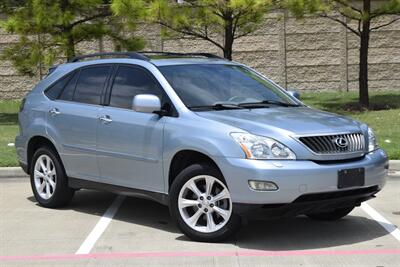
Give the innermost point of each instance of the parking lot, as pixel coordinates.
(101, 229)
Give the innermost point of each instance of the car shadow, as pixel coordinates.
(298, 233)
(301, 233)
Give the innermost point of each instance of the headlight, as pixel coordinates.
(372, 143)
(259, 147)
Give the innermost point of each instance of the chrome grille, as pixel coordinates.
(334, 144)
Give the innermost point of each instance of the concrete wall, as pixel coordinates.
(308, 54)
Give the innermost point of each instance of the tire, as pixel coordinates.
(213, 219)
(48, 180)
(332, 215)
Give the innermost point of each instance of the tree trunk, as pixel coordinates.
(228, 43)
(67, 30)
(39, 38)
(70, 46)
(363, 65)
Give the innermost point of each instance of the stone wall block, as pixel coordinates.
(258, 59)
(315, 86)
(319, 41)
(381, 85)
(188, 45)
(313, 73)
(8, 38)
(378, 39)
(313, 57)
(377, 72)
(377, 55)
(311, 25)
(256, 43)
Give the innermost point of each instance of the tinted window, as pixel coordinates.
(69, 89)
(129, 82)
(90, 84)
(55, 90)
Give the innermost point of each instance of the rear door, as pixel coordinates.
(72, 120)
(129, 143)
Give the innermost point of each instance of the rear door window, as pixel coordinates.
(90, 84)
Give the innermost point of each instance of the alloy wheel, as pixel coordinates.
(45, 177)
(205, 204)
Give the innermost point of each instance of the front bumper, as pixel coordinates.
(296, 178)
(309, 203)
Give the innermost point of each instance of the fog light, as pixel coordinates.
(263, 185)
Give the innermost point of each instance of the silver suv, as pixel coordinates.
(213, 139)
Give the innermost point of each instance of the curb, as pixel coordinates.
(13, 172)
(394, 165)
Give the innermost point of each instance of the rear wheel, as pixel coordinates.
(201, 204)
(331, 215)
(48, 180)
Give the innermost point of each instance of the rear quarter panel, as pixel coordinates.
(32, 120)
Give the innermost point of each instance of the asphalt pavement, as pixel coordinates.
(102, 229)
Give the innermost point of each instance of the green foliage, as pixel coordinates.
(8, 131)
(301, 7)
(8, 157)
(24, 55)
(205, 19)
(132, 9)
(387, 7)
(51, 29)
(7, 6)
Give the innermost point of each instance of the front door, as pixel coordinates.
(129, 143)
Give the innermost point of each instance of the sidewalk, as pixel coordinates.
(13, 172)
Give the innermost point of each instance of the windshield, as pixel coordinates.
(202, 85)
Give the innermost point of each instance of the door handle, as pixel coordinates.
(54, 111)
(105, 119)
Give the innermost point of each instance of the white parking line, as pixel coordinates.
(100, 227)
(391, 228)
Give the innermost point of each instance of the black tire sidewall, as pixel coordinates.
(195, 170)
(62, 193)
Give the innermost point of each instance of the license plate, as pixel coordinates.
(351, 177)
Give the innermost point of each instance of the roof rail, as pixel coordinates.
(133, 55)
(141, 55)
(207, 55)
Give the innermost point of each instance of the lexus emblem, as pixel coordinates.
(341, 142)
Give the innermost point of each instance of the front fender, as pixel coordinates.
(205, 136)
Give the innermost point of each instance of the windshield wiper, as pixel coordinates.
(217, 106)
(267, 102)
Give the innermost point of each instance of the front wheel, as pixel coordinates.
(331, 215)
(201, 204)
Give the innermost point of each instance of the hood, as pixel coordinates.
(292, 120)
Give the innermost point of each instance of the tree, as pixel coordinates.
(204, 19)
(7, 5)
(363, 13)
(50, 29)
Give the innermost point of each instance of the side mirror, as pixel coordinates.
(295, 94)
(146, 103)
